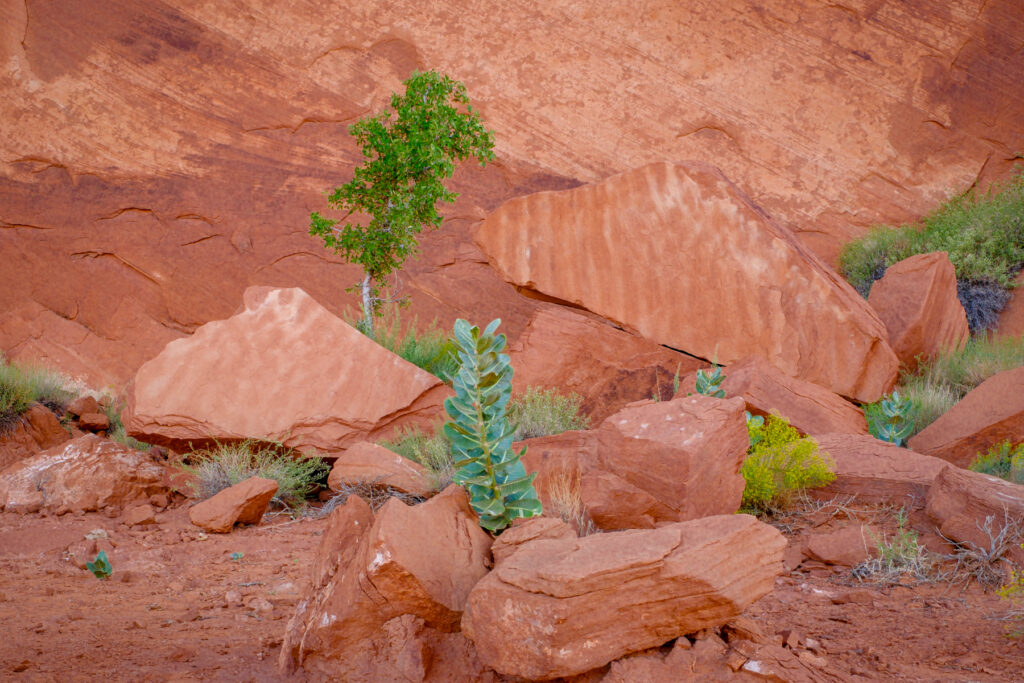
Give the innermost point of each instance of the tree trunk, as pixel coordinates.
(367, 292)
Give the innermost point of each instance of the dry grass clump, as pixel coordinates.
(563, 490)
(899, 559)
(987, 564)
(374, 491)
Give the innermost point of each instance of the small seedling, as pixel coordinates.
(710, 383)
(897, 425)
(100, 567)
(237, 556)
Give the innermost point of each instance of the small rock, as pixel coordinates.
(790, 638)
(259, 604)
(812, 659)
(243, 503)
(134, 625)
(94, 422)
(139, 515)
(159, 500)
(83, 405)
(735, 661)
(233, 597)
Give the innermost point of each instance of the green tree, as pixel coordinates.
(410, 150)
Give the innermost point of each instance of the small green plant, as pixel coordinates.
(890, 419)
(117, 432)
(100, 567)
(780, 463)
(896, 557)
(541, 413)
(499, 488)
(225, 465)
(433, 451)
(1003, 460)
(236, 557)
(1013, 591)
(710, 383)
(21, 385)
(430, 350)
(410, 151)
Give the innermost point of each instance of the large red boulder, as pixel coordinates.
(562, 607)
(978, 510)
(875, 471)
(917, 301)
(766, 389)
(387, 598)
(35, 430)
(991, 413)
(684, 257)
(650, 462)
(282, 369)
(85, 474)
(571, 352)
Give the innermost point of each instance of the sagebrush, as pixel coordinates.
(545, 412)
(779, 464)
(225, 465)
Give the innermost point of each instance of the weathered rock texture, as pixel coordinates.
(285, 369)
(35, 430)
(876, 471)
(158, 158)
(680, 254)
(369, 463)
(243, 503)
(765, 389)
(88, 473)
(570, 352)
(991, 413)
(562, 607)
(648, 463)
(1011, 319)
(917, 301)
(974, 508)
(386, 600)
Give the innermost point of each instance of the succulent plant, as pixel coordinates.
(481, 436)
(897, 424)
(710, 383)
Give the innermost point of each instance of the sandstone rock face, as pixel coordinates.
(570, 352)
(916, 299)
(991, 413)
(164, 187)
(963, 503)
(36, 430)
(331, 385)
(876, 471)
(650, 462)
(808, 407)
(680, 254)
(1011, 318)
(243, 503)
(582, 603)
(88, 473)
(398, 589)
(370, 463)
(848, 546)
(523, 531)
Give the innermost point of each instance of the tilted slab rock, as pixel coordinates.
(810, 408)
(35, 430)
(87, 473)
(650, 462)
(917, 301)
(367, 462)
(281, 369)
(989, 414)
(571, 352)
(562, 607)
(963, 503)
(876, 471)
(680, 254)
(243, 503)
(411, 571)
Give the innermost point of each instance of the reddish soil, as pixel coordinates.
(165, 615)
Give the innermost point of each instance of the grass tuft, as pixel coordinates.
(21, 385)
(898, 558)
(431, 350)
(225, 465)
(983, 235)
(542, 413)
(433, 451)
(117, 432)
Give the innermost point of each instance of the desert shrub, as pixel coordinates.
(542, 413)
(430, 350)
(897, 557)
(563, 488)
(116, 432)
(780, 463)
(225, 465)
(1013, 591)
(432, 450)
(23, 384)
(937, 385)
(1003, 460)
(983, 235)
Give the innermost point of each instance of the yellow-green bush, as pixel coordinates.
(779, 463)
